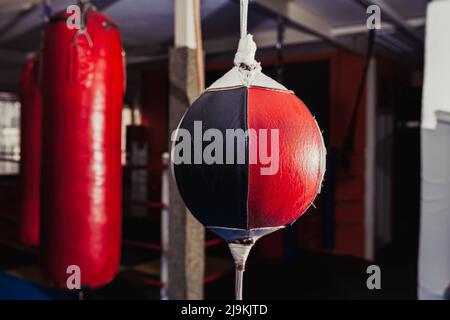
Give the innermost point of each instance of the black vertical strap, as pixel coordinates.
(290, 251)
(85, 7)
(47, 11)
(281, 29)
(349, 140)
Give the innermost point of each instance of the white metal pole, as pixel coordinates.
(165, 200)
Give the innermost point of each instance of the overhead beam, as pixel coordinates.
(263, 39)
(17, 5)
(30, 21)
(297, 14)
(24, 21)
(266, 39)
(298, 17)
(388, 11)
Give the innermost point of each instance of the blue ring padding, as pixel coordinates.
(15, 288)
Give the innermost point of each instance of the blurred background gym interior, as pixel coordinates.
(366, 90)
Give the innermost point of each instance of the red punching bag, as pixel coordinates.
(30, 150)
(81, 189)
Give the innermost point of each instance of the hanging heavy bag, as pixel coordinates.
(83, 78)
(30, 151)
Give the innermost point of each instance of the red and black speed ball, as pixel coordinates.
(241, 200)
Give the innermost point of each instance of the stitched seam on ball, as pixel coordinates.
(247, 214)
(272, 89)
(322, 164)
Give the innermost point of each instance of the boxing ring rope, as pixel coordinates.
(148, 204)
(9, 160)
(162, 247)
(156, 247)
(164, 205)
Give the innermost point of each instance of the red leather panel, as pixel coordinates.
(279, 199)
(30, 150)
(81, 187)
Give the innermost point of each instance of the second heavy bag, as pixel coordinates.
(81, 189)
(30, 151)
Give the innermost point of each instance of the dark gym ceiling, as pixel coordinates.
(147, 27)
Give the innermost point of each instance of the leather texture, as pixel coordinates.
(279, 199)
(30, 151)
(231, 198)
(81, 165)
(216, 194)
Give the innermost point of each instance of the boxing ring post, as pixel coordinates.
(186, 234)
(163, 247)
(165, 199)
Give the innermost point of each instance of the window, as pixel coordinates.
(9, 134)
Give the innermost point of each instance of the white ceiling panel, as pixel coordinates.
(336, 12)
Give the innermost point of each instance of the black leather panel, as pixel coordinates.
(216, 194)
